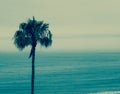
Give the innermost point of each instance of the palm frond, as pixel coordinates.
(22, 26)
(45, 42)
(44, 27)
(46, 39)
(38, 26)
(19, 39)
(28, 41)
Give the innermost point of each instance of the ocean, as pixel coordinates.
(61, 73)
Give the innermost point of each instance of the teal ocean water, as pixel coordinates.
(61, 73)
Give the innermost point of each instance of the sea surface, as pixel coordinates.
(61, 73)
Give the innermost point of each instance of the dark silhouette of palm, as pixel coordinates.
(31, 33)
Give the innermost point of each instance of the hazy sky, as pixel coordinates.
(75, 24)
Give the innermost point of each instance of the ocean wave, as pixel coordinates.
(107, 92)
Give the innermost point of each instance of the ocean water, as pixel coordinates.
(61, 73)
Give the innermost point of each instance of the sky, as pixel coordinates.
(76, 25)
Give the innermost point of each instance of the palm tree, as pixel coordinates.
(31, 33)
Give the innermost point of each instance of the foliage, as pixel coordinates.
(32, 32)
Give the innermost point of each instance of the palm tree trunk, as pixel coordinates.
(33, 70)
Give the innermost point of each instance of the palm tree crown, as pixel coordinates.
(32, 32)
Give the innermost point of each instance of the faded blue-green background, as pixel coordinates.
(84, 57)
